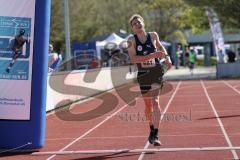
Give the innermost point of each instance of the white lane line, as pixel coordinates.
(234, 153)
(234, 88)
(162, 115)
(92, 129)
(154, 150)
(140, 137)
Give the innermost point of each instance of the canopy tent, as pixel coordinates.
(113, 38)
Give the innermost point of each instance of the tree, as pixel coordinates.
(227, 10)
(166, 18)
(170, 18)
(56, 25)
(93, 18)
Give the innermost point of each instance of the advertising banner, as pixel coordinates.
(217, 34)
(24, 40)
(16, 54)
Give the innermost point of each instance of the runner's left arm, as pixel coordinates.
(161, 48)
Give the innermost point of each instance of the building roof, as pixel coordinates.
(206, 37)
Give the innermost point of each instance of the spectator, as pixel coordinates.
(221, 56)
(178, 55)
(94, 63)
(191, 60)
(238, 54)
(57, 62)
(52, 57)
(187, 56)
(231, 56)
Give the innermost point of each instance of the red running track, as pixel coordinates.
(195, 114)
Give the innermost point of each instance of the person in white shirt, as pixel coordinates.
(52, 57)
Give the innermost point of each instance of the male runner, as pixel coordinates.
(146, 51)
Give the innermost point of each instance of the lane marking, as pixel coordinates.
(136, 151)
(134, 137)
(161, 118)
(234, 153)
(92, 129)
(234, 88)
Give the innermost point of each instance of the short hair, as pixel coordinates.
(135, 16)
(50, 47)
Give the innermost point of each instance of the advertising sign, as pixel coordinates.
(24, 40)
(217, 34)
(16, 52)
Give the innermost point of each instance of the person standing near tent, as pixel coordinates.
(57, 62)
(52, 58)
(94, 63)
(192, 60)
(145, 50)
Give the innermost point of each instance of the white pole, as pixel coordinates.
(67, 34)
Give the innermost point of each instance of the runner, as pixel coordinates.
(145, 51)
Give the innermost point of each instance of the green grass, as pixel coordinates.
(213, 60)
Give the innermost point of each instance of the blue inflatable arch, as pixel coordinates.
(30, 134)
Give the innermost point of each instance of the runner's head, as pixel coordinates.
(21, 32)
(137, 22)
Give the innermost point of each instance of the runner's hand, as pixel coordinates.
(168, 63)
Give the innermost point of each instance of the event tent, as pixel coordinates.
(113, 38)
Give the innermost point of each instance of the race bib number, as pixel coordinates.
(149, 64)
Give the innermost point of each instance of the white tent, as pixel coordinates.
(113, 38)
(130, 35)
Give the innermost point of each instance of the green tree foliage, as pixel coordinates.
(227, 10)
(91, 18)
(57, 24)
(194, 19)
(170, 18)
(165, 17)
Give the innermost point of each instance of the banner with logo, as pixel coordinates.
(16, 54)
(217, 34)
(24, 40)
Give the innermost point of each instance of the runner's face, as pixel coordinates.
(137, 24)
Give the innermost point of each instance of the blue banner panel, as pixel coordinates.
(23, 73)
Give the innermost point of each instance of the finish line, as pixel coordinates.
(135, 151)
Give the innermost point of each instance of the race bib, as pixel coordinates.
(148, 64)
